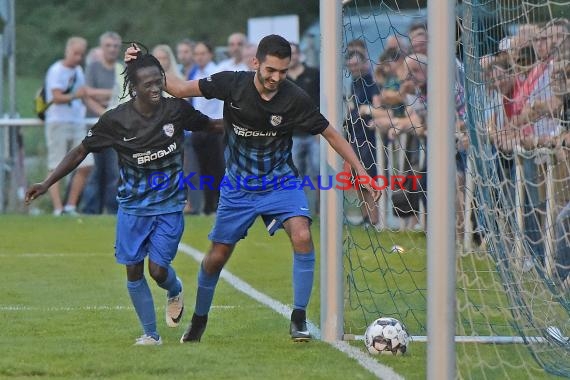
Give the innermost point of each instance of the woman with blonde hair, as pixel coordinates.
(167, 60)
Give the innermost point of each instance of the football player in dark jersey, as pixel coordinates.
(261, 111)
(147, 132)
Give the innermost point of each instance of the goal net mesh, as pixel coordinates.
(513, 190)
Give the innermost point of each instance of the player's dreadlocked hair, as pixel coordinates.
(130, 72)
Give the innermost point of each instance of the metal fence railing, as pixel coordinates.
(12, 168)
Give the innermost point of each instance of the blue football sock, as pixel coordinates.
(205, 294)
(171, 283)
(144, 305)
(303, 273)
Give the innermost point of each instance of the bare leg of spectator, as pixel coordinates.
(77, 185)
(55, 198)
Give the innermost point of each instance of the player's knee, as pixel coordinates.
(301, 238)
(214, 263)
(157, 273)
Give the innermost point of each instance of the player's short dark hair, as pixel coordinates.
(143, 60)
(274, 45)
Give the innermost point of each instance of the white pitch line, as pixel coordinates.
(19, 308)
(53, 254)
(367, 362)
(64, 308)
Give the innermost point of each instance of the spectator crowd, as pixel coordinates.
(518, 102)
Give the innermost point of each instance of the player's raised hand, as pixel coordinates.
(34, 191)
(131, 52)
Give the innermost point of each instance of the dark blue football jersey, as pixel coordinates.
(259, 132)
(150, 153)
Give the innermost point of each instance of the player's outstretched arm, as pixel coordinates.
(174, 86)
(343, 148)
(182, 88)
(71, 160)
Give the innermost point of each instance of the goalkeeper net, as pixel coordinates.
(513, 196)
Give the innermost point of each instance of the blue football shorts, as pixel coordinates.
(155, 235)
(238, 209)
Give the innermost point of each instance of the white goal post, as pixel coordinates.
(441, 249)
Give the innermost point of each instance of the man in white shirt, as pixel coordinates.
(236, 43)
(64, 123)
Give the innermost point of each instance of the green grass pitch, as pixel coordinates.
(65, 312)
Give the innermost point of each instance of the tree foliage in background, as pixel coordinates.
(42, 27)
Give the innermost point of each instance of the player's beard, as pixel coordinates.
(266, 85)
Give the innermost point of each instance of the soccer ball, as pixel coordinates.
(386, 336)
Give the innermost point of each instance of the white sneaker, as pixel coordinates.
(70, 211)
(147, 340)
(57, 212)
(175, 307)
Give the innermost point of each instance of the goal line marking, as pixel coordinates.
(18, 308)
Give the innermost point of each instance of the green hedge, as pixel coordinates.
(42, 27)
